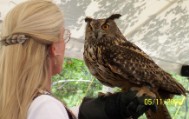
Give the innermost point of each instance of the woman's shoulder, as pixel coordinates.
(46, 107)
(43, 99)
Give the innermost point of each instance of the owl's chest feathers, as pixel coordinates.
(93, 53)
(96, 48)
(99, 67)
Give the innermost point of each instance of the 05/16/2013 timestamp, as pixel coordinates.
(163, 102)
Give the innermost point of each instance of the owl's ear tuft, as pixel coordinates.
(88, 19)
(114, 16)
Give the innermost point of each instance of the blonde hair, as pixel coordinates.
(24, 67)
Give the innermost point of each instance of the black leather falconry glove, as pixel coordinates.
(120, 105)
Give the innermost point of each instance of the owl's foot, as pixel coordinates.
(100, 94)
(143, 91)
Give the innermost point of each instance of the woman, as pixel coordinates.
(27, 68)
(32, 51)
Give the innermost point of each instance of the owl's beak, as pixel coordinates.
(96, 34)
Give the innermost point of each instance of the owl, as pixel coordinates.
(116, 62)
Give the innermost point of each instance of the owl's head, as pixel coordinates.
(98, 28)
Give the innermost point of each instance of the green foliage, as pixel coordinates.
(75, 82)
(179, 108)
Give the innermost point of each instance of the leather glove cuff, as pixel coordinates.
(92, 109)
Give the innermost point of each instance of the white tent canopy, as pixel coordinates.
(159, 27)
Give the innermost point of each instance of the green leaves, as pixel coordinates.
(74, 82)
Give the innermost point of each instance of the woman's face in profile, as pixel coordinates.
(61, 47)
(62, 50)
(58, 49)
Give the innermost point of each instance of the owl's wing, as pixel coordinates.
(128, 59)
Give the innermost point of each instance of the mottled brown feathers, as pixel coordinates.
(123, 60)
(116, 62)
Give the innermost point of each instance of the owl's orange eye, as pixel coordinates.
(105, 26)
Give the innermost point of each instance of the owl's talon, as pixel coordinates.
(143, 91)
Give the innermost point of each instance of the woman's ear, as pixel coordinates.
(56, 48)
(52, 50)
(56, 56)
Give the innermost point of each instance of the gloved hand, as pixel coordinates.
(120, 105)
